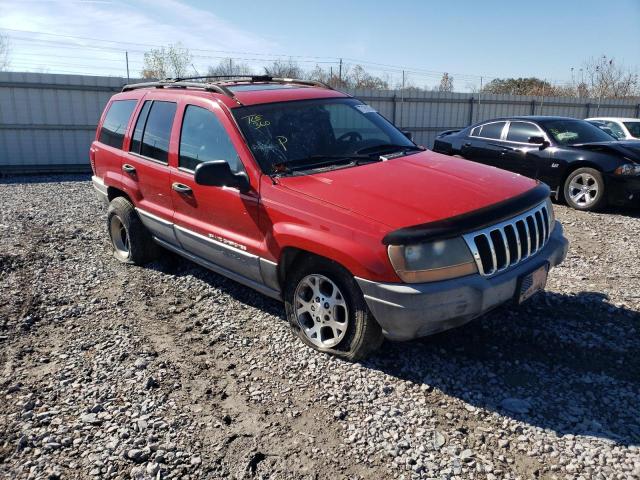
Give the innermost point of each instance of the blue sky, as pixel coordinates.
(466, 38)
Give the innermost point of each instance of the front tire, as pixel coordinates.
(326, 310)
(584, 190)
(131, 241)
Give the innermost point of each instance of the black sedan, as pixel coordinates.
(580, 162)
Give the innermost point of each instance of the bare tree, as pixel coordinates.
(172, 61)
(284, 69)
(607, 79)
(230, 68)
(582, 90)
(358, 77)
(318, 74)
(4, 52)
(446, 83)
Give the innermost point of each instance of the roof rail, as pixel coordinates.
(256, 79)
(177, 83)
(220, 86)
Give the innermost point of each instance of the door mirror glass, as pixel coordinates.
(217, 173)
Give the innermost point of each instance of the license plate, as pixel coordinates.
(532, 282)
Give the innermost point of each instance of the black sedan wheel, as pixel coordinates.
(584, 189)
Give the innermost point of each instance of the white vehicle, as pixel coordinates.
(622, 128)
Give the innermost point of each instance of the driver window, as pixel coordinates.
(203, 138)
(521, 132)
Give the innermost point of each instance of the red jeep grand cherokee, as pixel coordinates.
(310, 196)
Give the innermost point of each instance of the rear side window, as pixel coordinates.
(203, 138)
(153, 130)
(136, 140)
(521, 131)
(115, 123)
(634, 128)
(492, 130)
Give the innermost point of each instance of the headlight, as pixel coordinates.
(628, 169)
(552, 214)
(428, 262)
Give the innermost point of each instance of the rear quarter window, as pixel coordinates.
(115, 123)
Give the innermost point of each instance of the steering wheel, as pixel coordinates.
(350, 137)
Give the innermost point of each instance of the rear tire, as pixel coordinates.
(131, 241)
(584, 189)
(326, 310)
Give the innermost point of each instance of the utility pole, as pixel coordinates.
(401, 100)
(340, 72)
(479, 95)
(126, 58)
(230, 67)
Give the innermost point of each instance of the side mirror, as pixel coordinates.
(409, 135)
(217, 173)
(538, 140)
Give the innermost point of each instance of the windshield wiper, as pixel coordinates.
(390, 147)
(316, 161)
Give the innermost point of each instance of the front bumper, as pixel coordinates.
(406, 311)
(623, 190)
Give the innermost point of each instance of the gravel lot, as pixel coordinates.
(170, 371)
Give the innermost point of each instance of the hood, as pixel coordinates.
(629, 148)
(412, 190)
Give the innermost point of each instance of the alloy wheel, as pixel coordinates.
(583, 189)
(321, 311)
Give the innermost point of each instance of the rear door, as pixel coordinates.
(145, 165)
(217, 224)
(484, 143)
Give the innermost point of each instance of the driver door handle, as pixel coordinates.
(128, 168)
(182, 188)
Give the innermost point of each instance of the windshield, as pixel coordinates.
(573, 132)
(300, 134)
(634, 128)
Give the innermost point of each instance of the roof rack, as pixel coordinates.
(220, 85)
(257, 79)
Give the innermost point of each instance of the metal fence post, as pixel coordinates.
(533, 107)
(588, 107)
(471, 100)
(393, 114)
(638, 110)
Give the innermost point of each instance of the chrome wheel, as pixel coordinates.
(119, 237)
(583, 189)
(321, 311)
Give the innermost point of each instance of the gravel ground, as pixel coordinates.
(171, 371)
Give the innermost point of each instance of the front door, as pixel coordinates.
(217, 224)
(518, 154)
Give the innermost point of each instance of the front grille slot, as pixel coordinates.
(502, 246)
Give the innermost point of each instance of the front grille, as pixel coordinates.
(506, 244)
